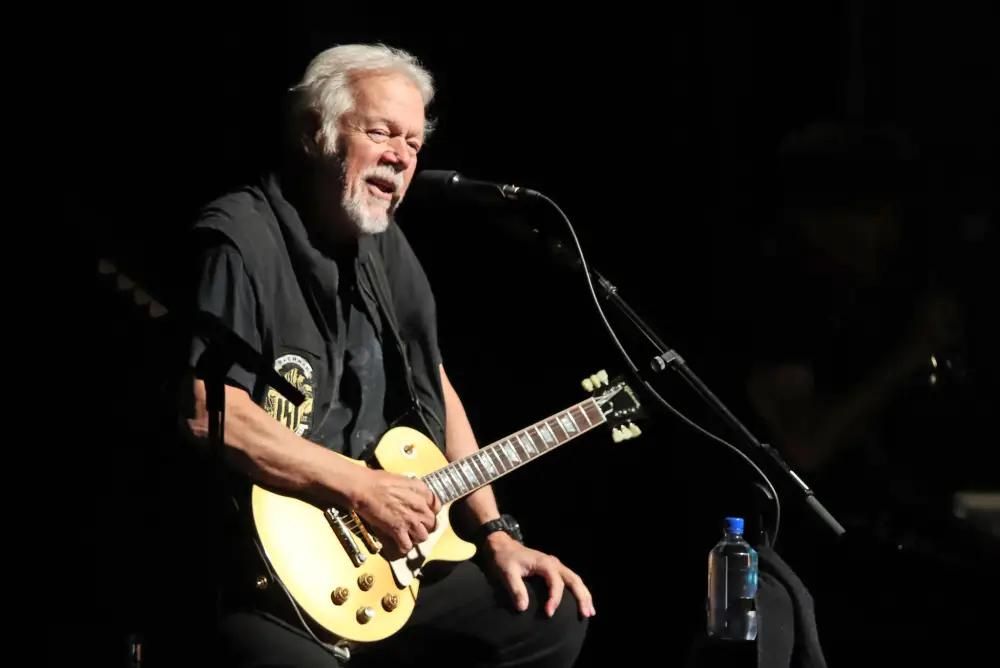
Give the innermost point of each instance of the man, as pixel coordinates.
(309, 268)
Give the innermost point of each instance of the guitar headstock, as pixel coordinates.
(618, 402)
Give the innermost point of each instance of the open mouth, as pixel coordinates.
(383, 188)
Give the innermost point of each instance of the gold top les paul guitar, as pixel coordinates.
(333, 567)
(329, 562)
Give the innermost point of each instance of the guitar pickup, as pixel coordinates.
(370, 541)
(345, 536)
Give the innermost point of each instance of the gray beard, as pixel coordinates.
(366, 219)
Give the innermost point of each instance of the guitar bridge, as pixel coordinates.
(373, 544)
(345, 536)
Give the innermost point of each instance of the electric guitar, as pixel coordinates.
(327, 560)
(334, 567)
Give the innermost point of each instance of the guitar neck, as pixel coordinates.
(464, 476)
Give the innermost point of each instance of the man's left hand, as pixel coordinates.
(513, 562)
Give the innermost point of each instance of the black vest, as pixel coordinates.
(295, 286)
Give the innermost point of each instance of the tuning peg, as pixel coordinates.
(625, 432)
(600, 378)
(596, 380)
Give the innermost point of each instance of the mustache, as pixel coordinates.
(384, 173)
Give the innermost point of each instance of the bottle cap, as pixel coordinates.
(734, 525)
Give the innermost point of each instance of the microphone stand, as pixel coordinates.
(669, 358)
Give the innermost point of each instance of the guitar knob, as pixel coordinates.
(365, 581)
(365, 614)
(339, 595)
(389, 602)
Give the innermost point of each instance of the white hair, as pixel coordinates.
(325, 89)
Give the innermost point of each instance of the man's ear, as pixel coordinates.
(312, 135)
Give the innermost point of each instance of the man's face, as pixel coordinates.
(377, 147)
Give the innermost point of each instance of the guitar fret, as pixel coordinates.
(488, 464)
(519, 450)
(526, 444)
(552, 434)
(583, 411)
(477, 467)
(537, 440)
(436, 486)
(599, 417)
(568, 424)
(558, 440)
(547, 436)
(456, 474)
(501, 466)
(470, 475)
(511, 453)
(446, 479)
(449, 488)
(505, 462)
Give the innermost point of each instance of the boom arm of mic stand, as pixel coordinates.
(670, 358)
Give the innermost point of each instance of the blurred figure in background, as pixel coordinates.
(854, 332)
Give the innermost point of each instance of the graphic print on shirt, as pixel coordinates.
(297, 371)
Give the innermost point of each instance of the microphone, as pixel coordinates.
(449, 183)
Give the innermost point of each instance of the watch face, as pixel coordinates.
(513, 528)
(507, 524)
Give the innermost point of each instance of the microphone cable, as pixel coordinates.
(635, 370)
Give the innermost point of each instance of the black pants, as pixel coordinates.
(461, 619)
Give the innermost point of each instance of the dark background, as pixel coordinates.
(658, 133)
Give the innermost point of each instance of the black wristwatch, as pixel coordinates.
(505, 523)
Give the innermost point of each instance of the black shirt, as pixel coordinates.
(356, 414)
(354, 331)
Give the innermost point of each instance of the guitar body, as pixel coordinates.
(311, 552)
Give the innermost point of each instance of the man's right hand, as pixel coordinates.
(398, 509)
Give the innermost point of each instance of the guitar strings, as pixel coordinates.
(354, 524)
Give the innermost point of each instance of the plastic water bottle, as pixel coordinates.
(732, 586)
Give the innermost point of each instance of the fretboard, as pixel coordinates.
(466, 475)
